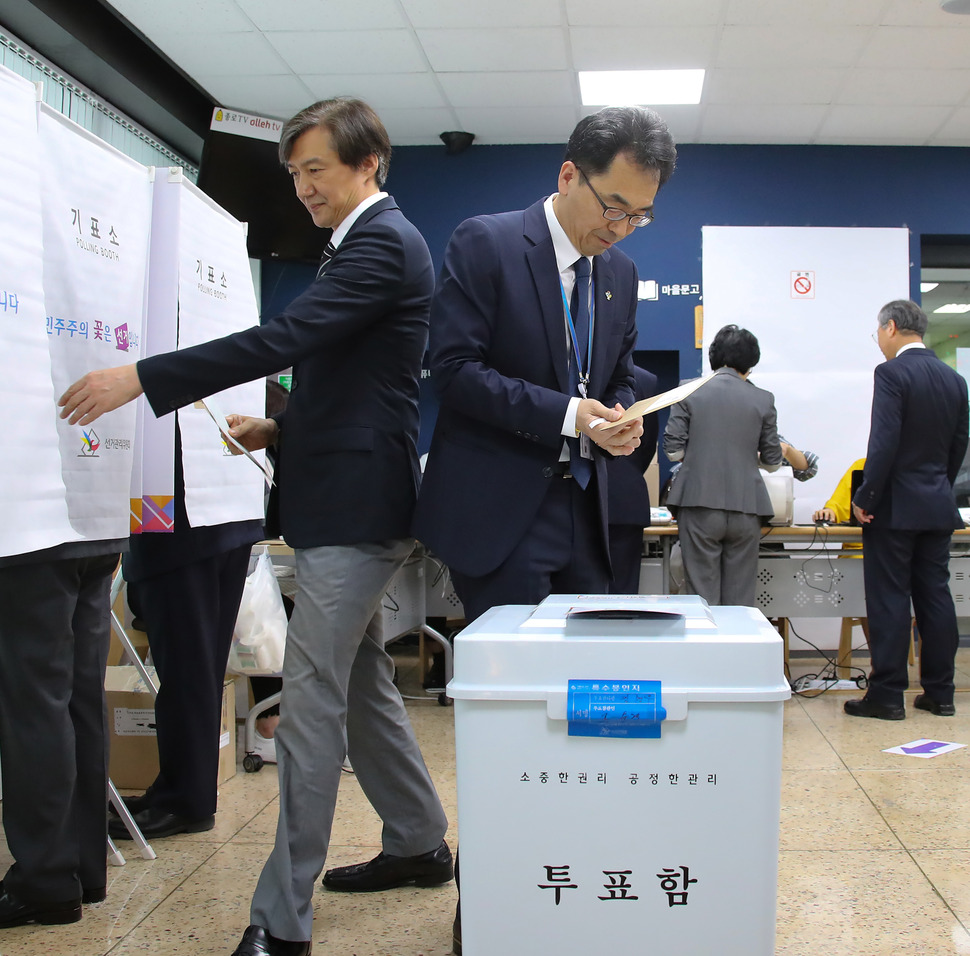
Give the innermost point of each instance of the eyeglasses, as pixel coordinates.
(617, 215)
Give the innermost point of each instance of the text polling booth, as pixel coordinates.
(811, 295)
(200, 288)
(619, 776)
(97, 223)
(32, 492)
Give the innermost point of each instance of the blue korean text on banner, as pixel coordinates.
(614, 708)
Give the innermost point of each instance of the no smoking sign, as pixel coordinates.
(803, 285)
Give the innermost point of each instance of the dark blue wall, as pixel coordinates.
(922, 188)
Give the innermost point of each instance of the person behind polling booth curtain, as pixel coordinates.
(722, 432)
(628, 498)
(54, 630)
(527, 352)
(186, 587)
(348, 469)
(908, 512)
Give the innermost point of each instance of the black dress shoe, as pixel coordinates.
(155, 822)
(134, 804)
(385, 872)
(925, 702)
(257, 941)
(18, 912)
(870, 708)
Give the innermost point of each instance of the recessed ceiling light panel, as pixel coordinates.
(641, 87)
(955, 308)
(928, 286)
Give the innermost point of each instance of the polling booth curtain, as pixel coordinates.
(96, 206)
(215, 297)
(33, 498)
(811, 296)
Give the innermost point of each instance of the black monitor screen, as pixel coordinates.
(245, 177)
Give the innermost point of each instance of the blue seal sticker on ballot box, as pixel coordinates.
(614, 708)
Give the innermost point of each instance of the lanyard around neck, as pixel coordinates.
(582, 371)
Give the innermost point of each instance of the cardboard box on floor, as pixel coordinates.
(131, 730)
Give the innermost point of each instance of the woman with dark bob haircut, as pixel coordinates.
(722, 432)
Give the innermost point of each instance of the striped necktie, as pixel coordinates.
(328, 254)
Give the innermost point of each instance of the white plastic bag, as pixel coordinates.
(259, 637)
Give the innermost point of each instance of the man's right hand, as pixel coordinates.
(252, 433)
(618, 440)
(824, 514)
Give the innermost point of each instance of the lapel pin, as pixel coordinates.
(609, 295)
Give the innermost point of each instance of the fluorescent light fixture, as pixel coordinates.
(953, 307)
(928, 286)
(641, 87)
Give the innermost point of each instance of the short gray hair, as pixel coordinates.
(356, 132)
(907, 315)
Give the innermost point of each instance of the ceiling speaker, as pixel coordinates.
(456, 141)
(956, 6)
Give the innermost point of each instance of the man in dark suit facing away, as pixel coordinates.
(348, 482)
(533, 328)
(917, 441)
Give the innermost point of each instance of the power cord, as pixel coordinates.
(827, 673)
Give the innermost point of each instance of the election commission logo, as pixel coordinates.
(90, 443)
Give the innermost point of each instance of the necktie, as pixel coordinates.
(581, 468)
(328, 254)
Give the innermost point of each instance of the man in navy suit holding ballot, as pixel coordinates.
(906, 506)
(533, 328)
(348, 468)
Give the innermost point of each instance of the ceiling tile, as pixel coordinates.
(811, 47)
(350, 51)
(553, 88)
(414, 127)
(772, 86)
(184, 16)
(381, 90)
(276, 96)
(514, 124)
(956, 130)
(222, 54)
(798, 13)
(459, 13)
(765, 123)
(906, 87)
(894, 125)
(321, 14)
(937, 48)
(642, 48)
(643, 13)
(682, 121)
(495, 51)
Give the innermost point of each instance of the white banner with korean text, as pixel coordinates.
(216, 298)
(32, 494)
(96, 205)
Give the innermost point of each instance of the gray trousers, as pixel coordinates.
(720, 551)
(339, 698)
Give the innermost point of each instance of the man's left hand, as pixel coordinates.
(617, 439)
(863, 517)
(99, 392)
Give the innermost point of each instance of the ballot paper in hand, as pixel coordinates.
(647, 405)
(215, 413)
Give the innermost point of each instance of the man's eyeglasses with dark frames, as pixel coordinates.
(616, 215)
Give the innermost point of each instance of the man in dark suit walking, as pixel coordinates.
(348, 481)
(917, 441)
(532, 333)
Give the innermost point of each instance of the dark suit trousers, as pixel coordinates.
(54, 630)
(899, 565)
(190, 613)
(626, 550)
(562, 553)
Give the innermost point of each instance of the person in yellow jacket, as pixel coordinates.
(839, 507)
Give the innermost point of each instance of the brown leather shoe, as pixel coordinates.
(385, 872)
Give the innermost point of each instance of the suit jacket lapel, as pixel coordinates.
(541, 257)
(366, 216)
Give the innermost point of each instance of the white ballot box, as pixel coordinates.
(619, 774)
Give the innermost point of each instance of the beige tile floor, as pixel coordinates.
(875, 853)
